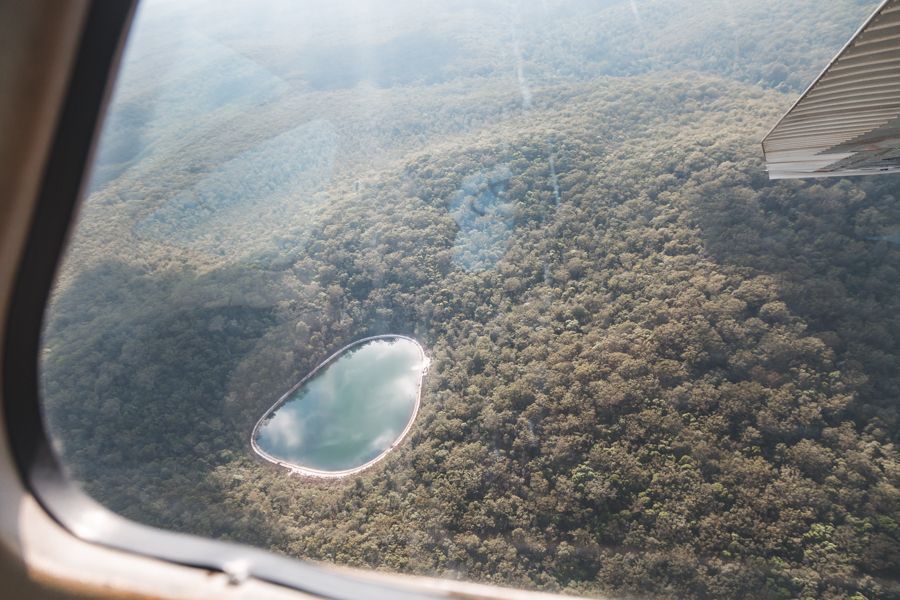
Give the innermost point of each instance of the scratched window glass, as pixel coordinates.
(487, 290)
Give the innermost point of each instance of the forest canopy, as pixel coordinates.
(654, 372)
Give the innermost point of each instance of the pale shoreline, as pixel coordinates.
(310, 472)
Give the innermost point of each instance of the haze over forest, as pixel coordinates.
(654, 372)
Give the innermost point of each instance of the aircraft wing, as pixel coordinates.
(848, 121)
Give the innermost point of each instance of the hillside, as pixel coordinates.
(654, 371)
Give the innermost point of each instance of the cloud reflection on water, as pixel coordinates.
(351, 411)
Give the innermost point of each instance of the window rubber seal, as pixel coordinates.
(104, 31)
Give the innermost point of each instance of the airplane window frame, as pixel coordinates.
(63, 181)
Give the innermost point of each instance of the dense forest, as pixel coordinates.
(655, 373)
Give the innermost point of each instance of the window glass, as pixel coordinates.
(490, 290)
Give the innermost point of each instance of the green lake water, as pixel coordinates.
(350, 411)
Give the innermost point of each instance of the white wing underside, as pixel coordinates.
(848, 121)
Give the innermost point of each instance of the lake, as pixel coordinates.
(349, 412)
